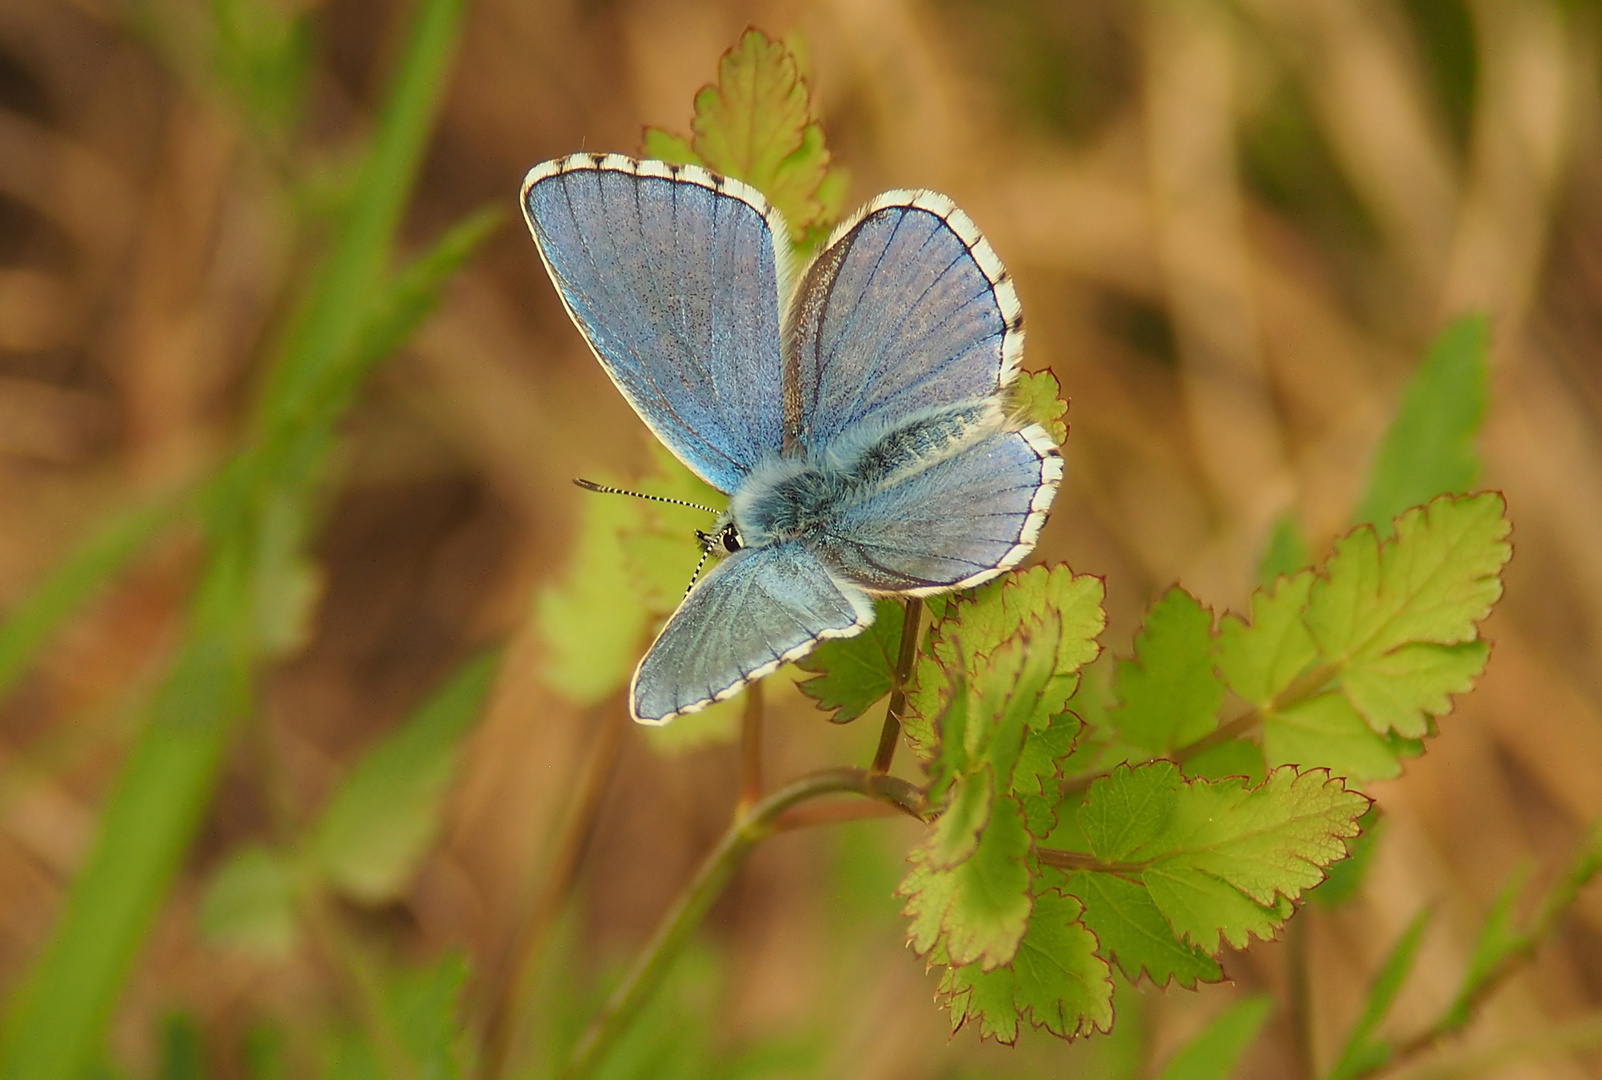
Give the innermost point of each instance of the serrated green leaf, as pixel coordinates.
(1261, 658)
(756, 124)
(851, 674)
(385, 816)
(1431, 585)
(1429, 449)
(978, 910)
(1134, 933)
(661, 145)
(1237, 757)
(1169, 694)
(1038, 396)
(1362, 1054)
(1400, 690)
(954, 837)
(1213, 1053)
(1013, 684)
(1220, 859)
(1035, 778)
(1327, 732)
(250, 903)
(1055, 981)
(975, 624)
(1346, 876)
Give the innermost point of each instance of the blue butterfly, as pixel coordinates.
(855, 413)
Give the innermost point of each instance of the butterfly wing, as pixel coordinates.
(957, 523)
(757, 609)
(673, 276)
(907, 308)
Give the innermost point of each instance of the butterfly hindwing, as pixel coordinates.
(907, 308)
(755, 610)
(674, 278)
(955, 524)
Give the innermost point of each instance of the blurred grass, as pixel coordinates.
(54, 1027)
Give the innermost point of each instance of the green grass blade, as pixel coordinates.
(1212, 1054)
(55, 1025)
(345, 287)
(29, 625)
(1361, 1054)
(1429, 449)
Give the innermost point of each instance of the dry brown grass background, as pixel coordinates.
(1234, 227)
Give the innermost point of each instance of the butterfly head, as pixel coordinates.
(724, 539)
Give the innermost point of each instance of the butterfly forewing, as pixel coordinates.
(907, 308)
(673, 277)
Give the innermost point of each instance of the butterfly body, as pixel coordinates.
(856, 414)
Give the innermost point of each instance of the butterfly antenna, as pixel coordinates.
(591, 485)
(705, 552)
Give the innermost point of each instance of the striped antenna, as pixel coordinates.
(591, 485)
(706, 550)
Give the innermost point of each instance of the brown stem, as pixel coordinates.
(890, 734)
(1078, 860)
(513, 982)
(750, 750)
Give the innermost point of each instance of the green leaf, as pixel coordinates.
(1399, 690)
(1169, 694)
(756, 124)
(423, 1007)
(1055, 981)
(1346, 877)
(1286, 552)
(1221, 860)
(1038, 396)
(1133, 932)
(977, 910)
(1362, 1054)
(1040, 767)
(591, 620)
(1429, 449)
(665, 146)
(1500, 937)
(851, 674)
(975, 624)
(386, 815)
(250, 903)
(1261, 658)
(1430, 586)
(1213, 1053)
(1327, 732)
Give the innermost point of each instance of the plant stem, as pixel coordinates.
(1472, 1061)
(513, 983)
(1303, 688)
(1554, 905)
(750, 750)
(890, 734)
(1300, 1005)
(744, 833)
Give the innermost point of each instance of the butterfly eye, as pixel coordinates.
(730, 539)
